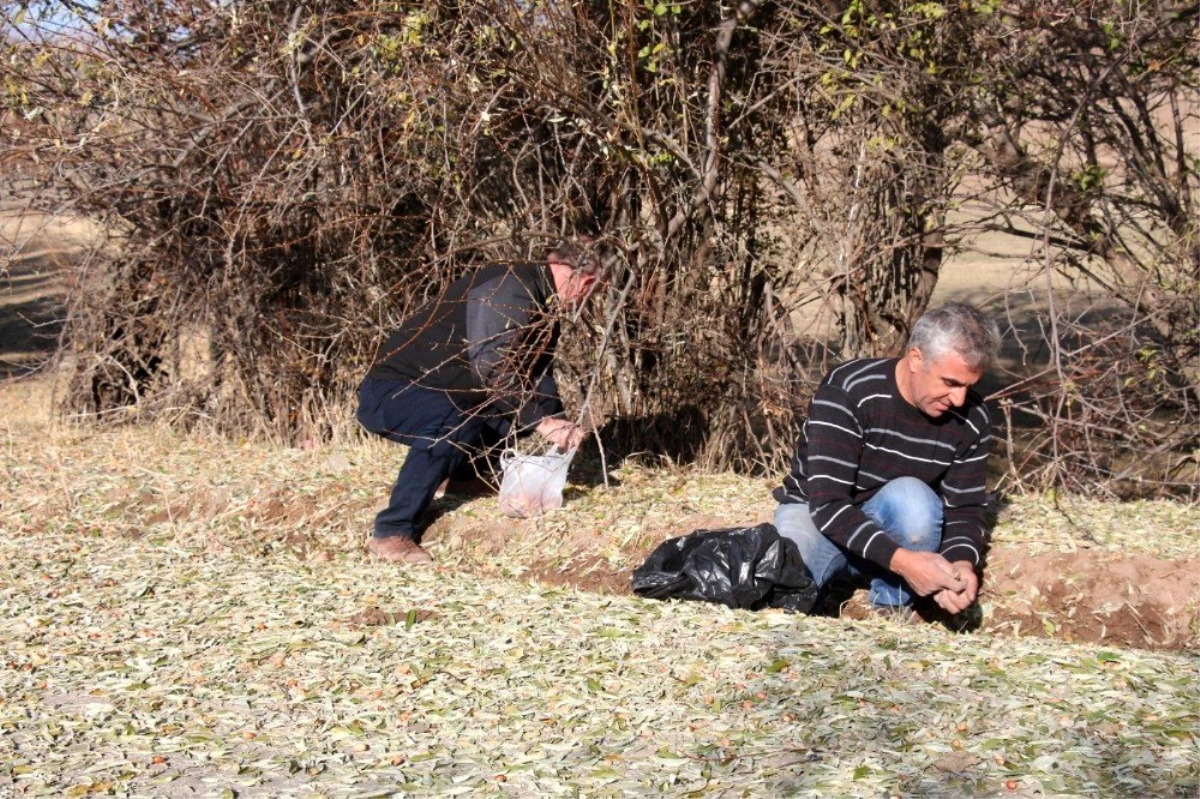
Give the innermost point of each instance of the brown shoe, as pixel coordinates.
(398, 549)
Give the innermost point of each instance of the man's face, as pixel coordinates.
(939, 385)
(577, 289)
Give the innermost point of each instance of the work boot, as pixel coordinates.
(398, 549)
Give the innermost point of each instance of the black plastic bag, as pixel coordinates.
(740, 567)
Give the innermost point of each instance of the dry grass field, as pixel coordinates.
(187, 616)
(1073, 569)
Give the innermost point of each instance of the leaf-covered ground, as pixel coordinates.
(183, 617)
(150, 668)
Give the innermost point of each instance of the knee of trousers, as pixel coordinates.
(795, 522)
(911, 510)
(822, 558)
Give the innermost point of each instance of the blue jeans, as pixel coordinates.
(442, 437)
(906, 509)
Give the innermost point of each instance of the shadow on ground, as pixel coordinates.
(31, 297)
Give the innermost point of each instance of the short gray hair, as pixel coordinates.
(960, 328)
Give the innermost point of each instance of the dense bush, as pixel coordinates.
(283, 181)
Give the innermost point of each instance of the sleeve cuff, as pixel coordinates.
(880, 549)
(961, 548)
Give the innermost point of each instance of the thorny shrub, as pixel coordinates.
(282, 182)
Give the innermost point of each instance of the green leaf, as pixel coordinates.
(861, 772)
(778, 665)
(410, 619)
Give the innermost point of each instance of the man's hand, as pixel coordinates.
(928, 572)
(561, 433)
(958, 601)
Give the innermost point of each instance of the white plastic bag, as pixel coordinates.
(533, 484)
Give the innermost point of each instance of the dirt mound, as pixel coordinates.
(1127, 600)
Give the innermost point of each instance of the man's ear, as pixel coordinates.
(915, 358)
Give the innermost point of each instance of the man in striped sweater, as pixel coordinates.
(888, 483)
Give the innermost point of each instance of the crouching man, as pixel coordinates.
(888, 482)
(463, 371)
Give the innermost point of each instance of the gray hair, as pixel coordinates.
(960, 328)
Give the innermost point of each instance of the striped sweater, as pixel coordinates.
(861, 433)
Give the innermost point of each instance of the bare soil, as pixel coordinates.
(1080, 598)
(1130, 600)
(1093, 597)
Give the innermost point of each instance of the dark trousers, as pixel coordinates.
(444, 440)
